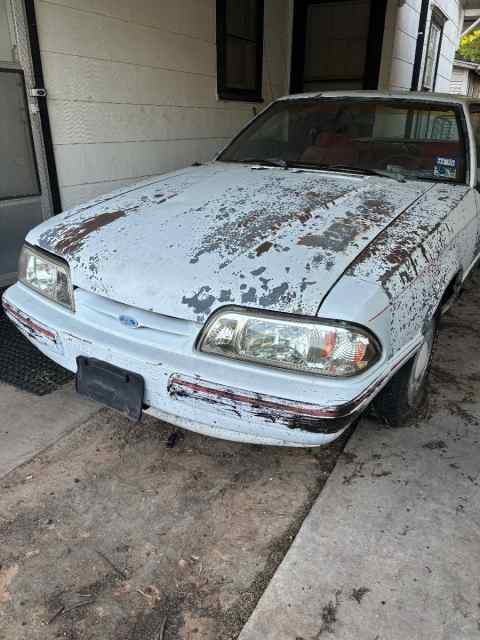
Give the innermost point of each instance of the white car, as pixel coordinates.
(272, 295)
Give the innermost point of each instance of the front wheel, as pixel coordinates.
(400, 400)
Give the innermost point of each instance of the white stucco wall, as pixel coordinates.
(405, 39)
(132, 87)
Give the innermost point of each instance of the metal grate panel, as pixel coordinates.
(25, 367)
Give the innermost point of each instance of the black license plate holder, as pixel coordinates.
(117, 388)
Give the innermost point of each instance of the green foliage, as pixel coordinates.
(470, 47)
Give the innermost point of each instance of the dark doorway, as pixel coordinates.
(337, 44)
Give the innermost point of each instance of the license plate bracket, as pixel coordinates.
(117, 388)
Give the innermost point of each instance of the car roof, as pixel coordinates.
(403, 95)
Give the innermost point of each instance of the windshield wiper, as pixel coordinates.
(285, 164)
(384, 173)
(267, 162)
(395, 175)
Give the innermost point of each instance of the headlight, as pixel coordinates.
(312, 346)
(47, 275)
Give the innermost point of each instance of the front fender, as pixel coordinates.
(419, 255)
(364, 303)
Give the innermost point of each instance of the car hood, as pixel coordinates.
(192, 241)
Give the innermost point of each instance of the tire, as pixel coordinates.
(399, 402)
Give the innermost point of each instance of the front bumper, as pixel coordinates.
(189, 389)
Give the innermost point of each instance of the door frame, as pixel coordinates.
(21, 15)
(378, 9)
(39, 82)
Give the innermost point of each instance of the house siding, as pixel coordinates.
(132, 88)
(459, 81)
(465, 82)
(405, 42)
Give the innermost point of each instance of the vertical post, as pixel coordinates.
(42, 104)
(422, 25)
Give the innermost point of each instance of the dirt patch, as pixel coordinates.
(6, 577)
(435, 444)
(359, 594)
(329, 616)
(113, 534)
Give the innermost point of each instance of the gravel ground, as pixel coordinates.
(110, 534)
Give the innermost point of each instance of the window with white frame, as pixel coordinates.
(434, 45)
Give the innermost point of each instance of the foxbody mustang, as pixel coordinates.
(274, 294)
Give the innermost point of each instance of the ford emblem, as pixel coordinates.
(129, 322)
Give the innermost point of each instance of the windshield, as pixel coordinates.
(397, 137)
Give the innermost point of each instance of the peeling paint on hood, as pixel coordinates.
(204, 237)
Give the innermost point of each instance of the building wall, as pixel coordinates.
(465, 82)
(405, 42)
(459, 82)
(132, 87)
(474, 86)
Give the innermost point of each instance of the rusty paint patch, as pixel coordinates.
(273, 207)
(32, 328)
(303, 416)
(263, 248)
(416, 256)
(68, 239)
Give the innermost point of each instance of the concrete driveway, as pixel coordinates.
(391, 549)
(29, 423)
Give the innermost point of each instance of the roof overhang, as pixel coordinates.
(470, 66)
